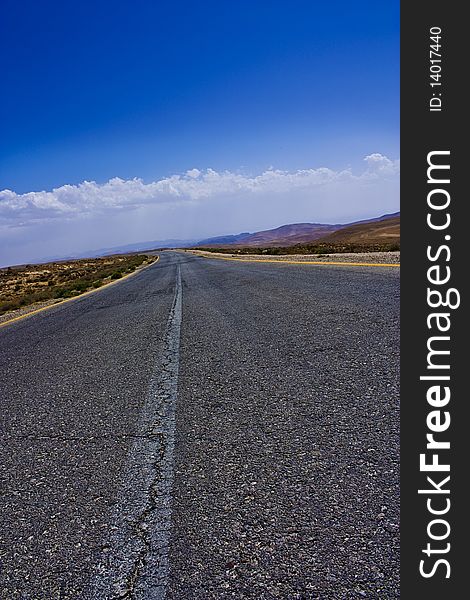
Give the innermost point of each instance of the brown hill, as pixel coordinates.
(287, 235)
(383, 231)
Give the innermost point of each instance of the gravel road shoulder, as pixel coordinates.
(350, 257)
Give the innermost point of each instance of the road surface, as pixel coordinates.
(205, 429)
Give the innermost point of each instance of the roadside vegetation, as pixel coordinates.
(24, 285)
(314, 249)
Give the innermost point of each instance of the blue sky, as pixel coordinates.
(148, 89)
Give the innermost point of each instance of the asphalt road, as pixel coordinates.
(205, 429)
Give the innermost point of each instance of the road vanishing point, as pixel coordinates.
(205, 429)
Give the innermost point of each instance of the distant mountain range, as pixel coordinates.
(136, 247)
(385, 228)
(225, 239)
(371, 231)
(286, 235)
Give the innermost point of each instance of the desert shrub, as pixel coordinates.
(64, 280)
(80, 286)
(10, 305)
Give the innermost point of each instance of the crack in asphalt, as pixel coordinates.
(141, 530)
(134, 565)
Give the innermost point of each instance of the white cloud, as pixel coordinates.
(91, 199)
(378, 163)
(193, 173)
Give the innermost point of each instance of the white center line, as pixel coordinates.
(134, 564)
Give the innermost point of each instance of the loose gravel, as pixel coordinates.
(349, 257)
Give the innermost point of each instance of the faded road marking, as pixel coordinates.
(134, 564)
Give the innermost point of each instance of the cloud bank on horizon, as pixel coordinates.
(74, 218)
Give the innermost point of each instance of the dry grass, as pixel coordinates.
(27, 284)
